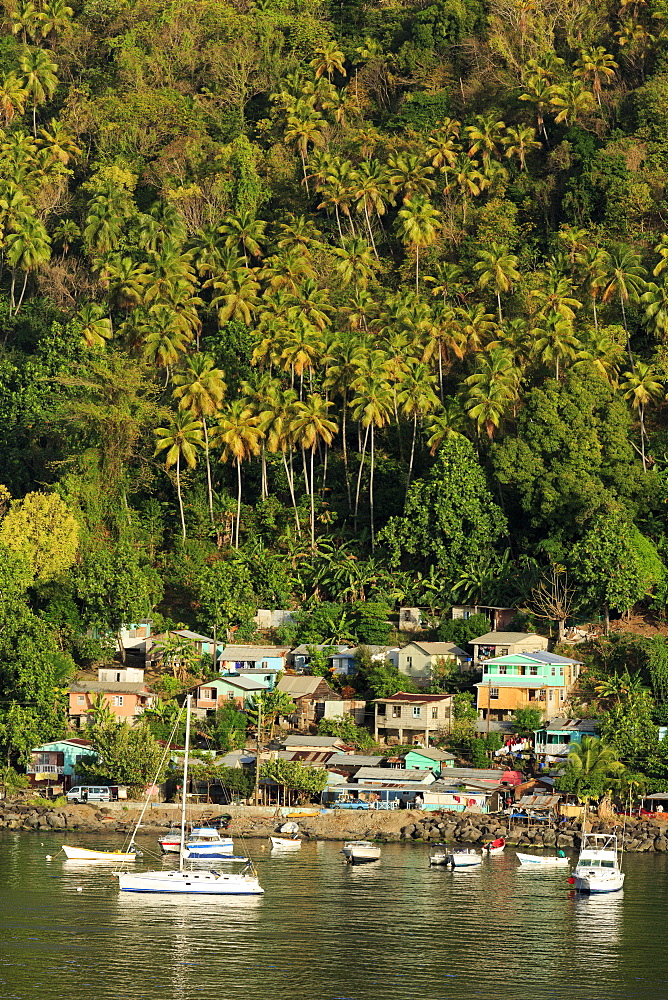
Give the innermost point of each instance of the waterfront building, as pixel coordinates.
(553, 741)
(431, 757)
(56, 762)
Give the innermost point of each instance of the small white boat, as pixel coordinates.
(171, 842)
(285, 842)
(81, 854)
(360, 851)
(464, 859)
(542, 860)
(598, 868)
(439, 854)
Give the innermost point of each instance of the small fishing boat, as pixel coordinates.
(82, 854)
(467, 858)
(598, 868)
(439, 854)
(171, 842)
(360, 851)
(494, 846)
(543, 860)
(285, 842)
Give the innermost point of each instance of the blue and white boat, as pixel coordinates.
(206, 842)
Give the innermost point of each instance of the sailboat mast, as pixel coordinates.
(185, 782)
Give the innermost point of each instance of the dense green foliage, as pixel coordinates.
(329, 308)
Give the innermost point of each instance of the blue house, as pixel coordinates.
(56, 763)
(231, 658)
(554, 740)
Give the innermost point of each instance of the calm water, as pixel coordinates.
(393, 930)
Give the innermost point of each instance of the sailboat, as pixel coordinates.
(186, 881)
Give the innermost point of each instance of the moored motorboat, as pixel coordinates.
(360, 851)
(439, 854)
(598, 868)
(467, 858)
(542, 861)
(494, 846)
(83, 854)
(206, 842)
(171, 842)
(285, 842)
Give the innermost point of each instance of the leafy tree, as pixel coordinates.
(126, 755)
(450, 519)
(228, 730)
(462, 630)
(347, 730)
(42, 528)
(592, 770)
(526, 720)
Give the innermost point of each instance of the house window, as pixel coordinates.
(504, 651)
(265, 664)
(434, 713)
(381, 709)
(230, 695)
(533, 671)
(561, 672)
(542, 694)
(503, 669)
(563, 695)
(396, 711)
(81, 699)
(118, 700)
(493, 694)
(554, 671)
(417, 711)
(550, 695)
(485, 670)
(409, 662)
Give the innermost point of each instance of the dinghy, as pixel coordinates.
(81, 854)
(542, 861)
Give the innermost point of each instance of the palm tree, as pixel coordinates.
(491, 390)
(312, 424)
(245, 231)
(40, 80)
(418, 224)
(13, 97)
(342, 363)
(355, 262)
(655, 300)
(571, 100)
(56, 16)
(328, 60)
(555, 341)
(497, 267)
(539, 92)
(641, 386)
(372, 406)
(485, 137)
(180, 439)
(338, 183)
(305, 130)
(468, 179)
(239, 433)
(26, 249)
(408, 172)
(594, 263)
(555, 296)
(200, 389)
(95, 326)
(164, 339)
(592, 769)
(237, 296)
(624, 279)
(595, 65)
(416, 399)
(370, 192)
(520, 141)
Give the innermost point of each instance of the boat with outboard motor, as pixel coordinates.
(598, 868)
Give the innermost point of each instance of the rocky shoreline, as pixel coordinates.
(452, 828)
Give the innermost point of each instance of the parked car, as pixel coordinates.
(353, 804)
(89, 793)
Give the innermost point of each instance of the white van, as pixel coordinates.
(89, 793)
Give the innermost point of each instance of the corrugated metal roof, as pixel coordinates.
(302, 685)
(354, 760)
(433, 753)
(571, 725)
(441, 649)
(408, 698)
(252, 652)
(112, 687)
(306, 648)
(538, 801)
(185, 633)
(388, 774)
(543, 656)
(312, 741)
(503, 638)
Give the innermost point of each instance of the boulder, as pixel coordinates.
(661, 844)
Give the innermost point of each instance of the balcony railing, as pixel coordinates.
(45, 769)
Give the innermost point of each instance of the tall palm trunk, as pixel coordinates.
(292, 493)
(410, 464)
(209, 485)
(359, 478)
(368, 226)
(641, 415)
(178, 493)
(312, 499)
(236, 527)
(498, 302)
(345, 448)
(373, 533)
(628, 336)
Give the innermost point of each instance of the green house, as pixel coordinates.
(432, 758)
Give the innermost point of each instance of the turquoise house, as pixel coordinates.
(237, 690)
(432, 758)
(540, 680)
(56, 763)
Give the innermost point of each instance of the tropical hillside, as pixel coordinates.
(325, 307)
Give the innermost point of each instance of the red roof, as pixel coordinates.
(512, 777)
(410, 697)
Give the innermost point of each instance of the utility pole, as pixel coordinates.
(258, 748)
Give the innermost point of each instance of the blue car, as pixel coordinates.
(355, 804)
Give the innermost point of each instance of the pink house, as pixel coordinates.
(122, 689)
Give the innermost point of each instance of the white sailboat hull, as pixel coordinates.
(284, 842)
(82, 854)
(191, 883)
